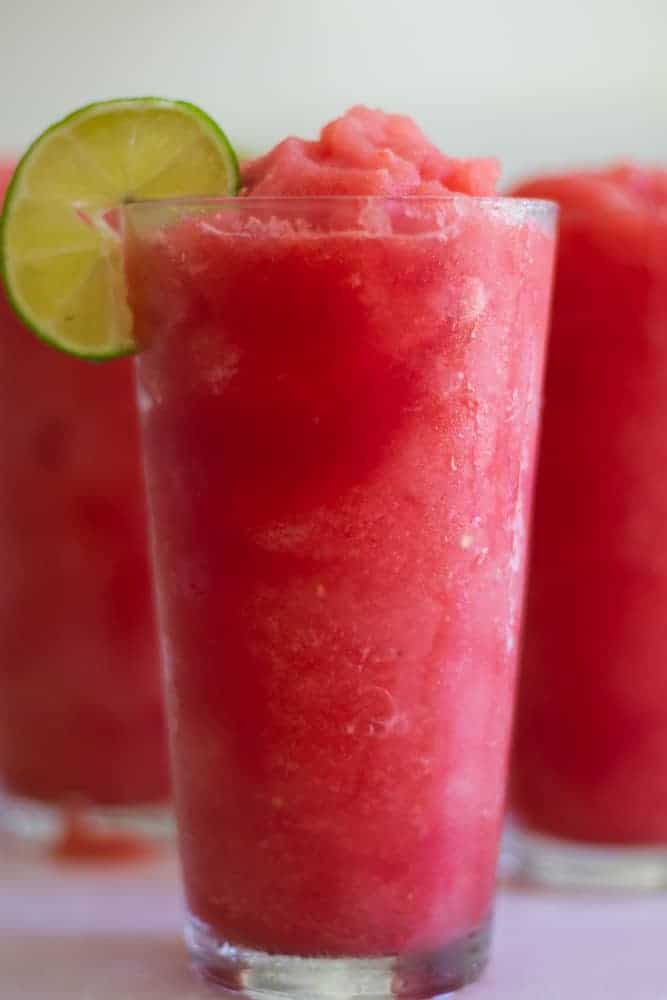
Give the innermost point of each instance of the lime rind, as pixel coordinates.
(53, 239)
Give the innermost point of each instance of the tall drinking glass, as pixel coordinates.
(82, 741)
(339, 399)
(589, 789)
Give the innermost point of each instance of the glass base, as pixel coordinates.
(32, 824)
(535, 858)
(248, 973)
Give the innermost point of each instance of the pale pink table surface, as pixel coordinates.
(89, 933)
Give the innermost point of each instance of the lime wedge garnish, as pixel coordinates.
(61, 254)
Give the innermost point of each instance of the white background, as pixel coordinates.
(537, 83)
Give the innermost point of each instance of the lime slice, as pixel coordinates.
(62, 259)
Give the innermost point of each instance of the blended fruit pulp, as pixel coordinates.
(80, 705)
(590, 761)
(340, 400)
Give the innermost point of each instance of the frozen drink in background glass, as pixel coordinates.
(82, 742)
(589, 788)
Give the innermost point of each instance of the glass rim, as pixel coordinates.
(546, 206)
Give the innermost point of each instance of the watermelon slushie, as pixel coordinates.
(339, 399)
(81, 719)
(590, 765)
